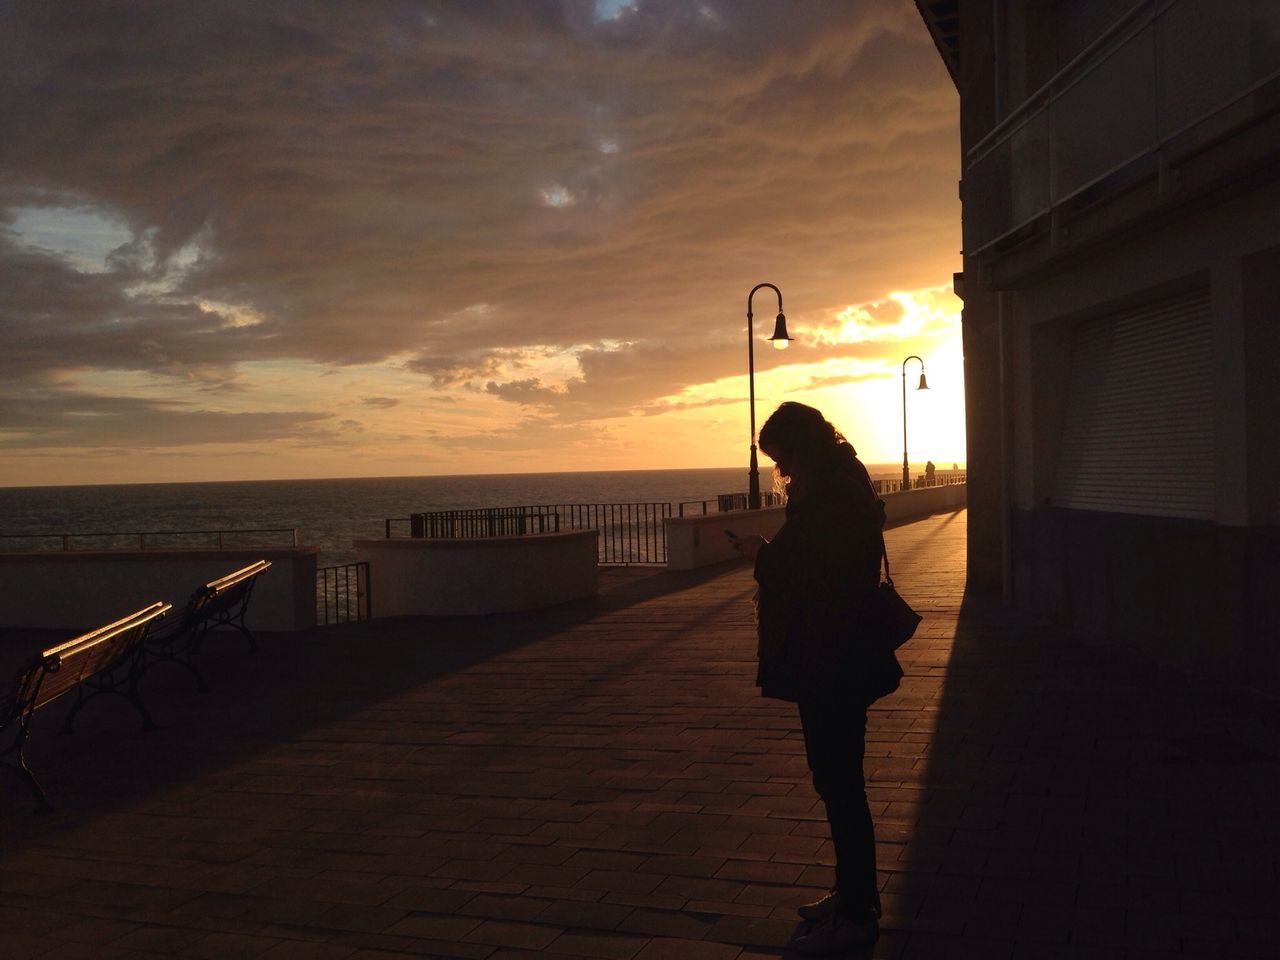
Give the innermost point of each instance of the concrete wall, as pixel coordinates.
(422, 577)
(1191, 593)
(908, 505)
(78, 590)
(700, 541)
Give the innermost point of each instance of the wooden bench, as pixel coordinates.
(218, 603)
(104, 660)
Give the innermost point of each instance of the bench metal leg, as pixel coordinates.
(19, 766)
(136, 700)
(42, 801)
(186, 660)
(131, 695)
(236, 623)
(248, 635)
(75, 709)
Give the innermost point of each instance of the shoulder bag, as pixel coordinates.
(898, 620)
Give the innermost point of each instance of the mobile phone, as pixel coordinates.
(731, 535)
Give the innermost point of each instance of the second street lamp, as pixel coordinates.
(780, 341)
(906, 470)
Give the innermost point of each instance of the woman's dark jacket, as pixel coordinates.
(817, 613)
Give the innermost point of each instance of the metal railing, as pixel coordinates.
(343, 594)
(630, 533)
(483, 522)
(728, 501)
(1164, 73)
(921, 482)
(159, 539)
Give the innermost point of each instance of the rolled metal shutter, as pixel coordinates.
(1138, 432)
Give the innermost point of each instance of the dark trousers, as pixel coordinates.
(834, 742)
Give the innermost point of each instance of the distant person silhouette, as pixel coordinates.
(930, 472)
(817, 597)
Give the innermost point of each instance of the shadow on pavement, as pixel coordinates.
(1077, 802)
(295, 683)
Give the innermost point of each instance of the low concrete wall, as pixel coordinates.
(912, 504)
(700, 541)
(77, 590)
(425, 577)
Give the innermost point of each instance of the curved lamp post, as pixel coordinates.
(906, 470)
(780, 341)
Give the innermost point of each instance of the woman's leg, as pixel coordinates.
(835, 742)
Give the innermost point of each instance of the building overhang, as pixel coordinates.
(942, 17)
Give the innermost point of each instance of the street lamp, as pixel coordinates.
(780, 341)
(906, 470)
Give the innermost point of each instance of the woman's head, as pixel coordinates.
(799, 439)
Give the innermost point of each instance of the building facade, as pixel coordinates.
(1121, 201)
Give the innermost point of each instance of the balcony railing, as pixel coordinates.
(1167, 74)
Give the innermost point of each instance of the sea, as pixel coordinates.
(328, 513)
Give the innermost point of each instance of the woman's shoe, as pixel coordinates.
(820, 910)
(838, 935)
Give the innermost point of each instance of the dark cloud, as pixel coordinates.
(56, 317)
(64, 418)
(380, 403)
(452, 371)
(460, 183)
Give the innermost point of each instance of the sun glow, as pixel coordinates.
(862, 393)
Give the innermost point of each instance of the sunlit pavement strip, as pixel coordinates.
(603, 781)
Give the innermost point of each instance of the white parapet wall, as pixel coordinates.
(907, 505)
(429, 577)
(700, 541)
(79, 589)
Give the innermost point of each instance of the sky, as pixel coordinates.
(242, 240)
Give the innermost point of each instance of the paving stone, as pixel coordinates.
(435, 927)
(602, 946)
(504, 933)
(590, 916)
(305, 950)
(503, 908)
(232, 946)
(666, 948)
(668, 923)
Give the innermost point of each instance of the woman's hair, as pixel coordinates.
(803, 435)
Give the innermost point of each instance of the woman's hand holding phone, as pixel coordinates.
(748, 546)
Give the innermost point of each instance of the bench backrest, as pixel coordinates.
(60, 668)
(218, 596)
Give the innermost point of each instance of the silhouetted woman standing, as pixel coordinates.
(816, 610)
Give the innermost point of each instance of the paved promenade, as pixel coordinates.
(602, 781)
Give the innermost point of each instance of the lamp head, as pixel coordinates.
(780, 339)
(923, 383)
